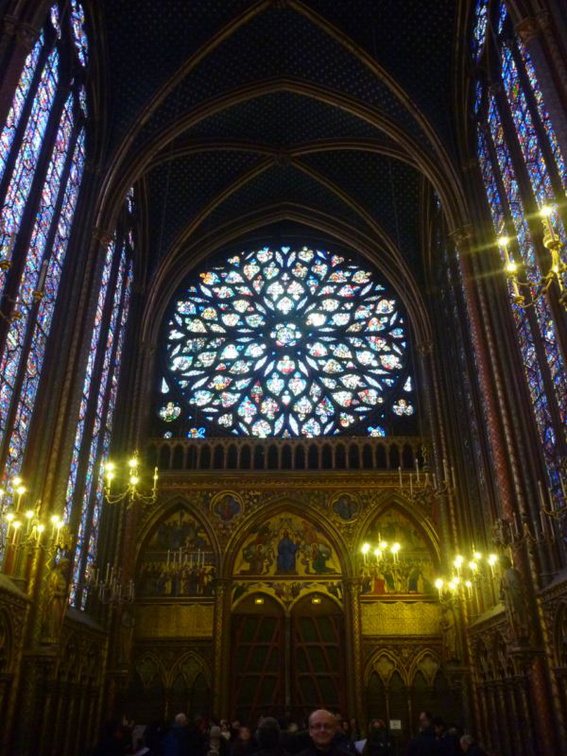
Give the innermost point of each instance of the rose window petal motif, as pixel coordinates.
(287, 343)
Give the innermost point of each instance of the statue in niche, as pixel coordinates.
(125, 635)
(450, 630)
(513, 596)
(56, 593)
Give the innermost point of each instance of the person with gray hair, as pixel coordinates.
(176, 742)
(322, 729)
(468, 745)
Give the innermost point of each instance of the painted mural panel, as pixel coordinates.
(177, 559)
(287, 545)
(410, 570)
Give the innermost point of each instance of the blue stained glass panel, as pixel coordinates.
(46, 307)
(24, 169)
(87, 383)
(20, 97)
(527, 134)
(543, 114)
(78, 26)
(480, 27)
(33, 267)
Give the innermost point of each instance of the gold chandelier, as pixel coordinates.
(22, 525)
(537, 287)
(130, 492)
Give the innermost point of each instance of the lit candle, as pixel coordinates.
(445, 470)
(541, 495)
(42, 274)
(400, 476)
(417, 468)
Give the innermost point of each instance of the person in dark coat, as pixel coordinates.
(447, 743)
(322, 730)
(268, 738)
(176, 741)
(424, 743)
(377, 743)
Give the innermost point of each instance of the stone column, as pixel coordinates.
(221, 646)
(353, 648)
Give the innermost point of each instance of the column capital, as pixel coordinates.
(462, 237)
(425, 348)
(102, 236)
(528, 28)
(27, 35)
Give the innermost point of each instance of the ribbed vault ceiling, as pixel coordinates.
(235, 117)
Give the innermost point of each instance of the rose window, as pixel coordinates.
(286, 343)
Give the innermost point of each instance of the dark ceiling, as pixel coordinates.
(225, 110)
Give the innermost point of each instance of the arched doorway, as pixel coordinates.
(317, 657)
(258, 658)
(286, 664)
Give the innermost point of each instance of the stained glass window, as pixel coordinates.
(480, 26)
(99, 392)
(521, 162)
(42, 157)
(283, 342)
(26, 161)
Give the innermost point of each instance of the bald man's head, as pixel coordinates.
(322, 728)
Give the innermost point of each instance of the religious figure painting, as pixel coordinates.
(287, 546)
(346, 507)
(409, 571)
(227, 507)
(177, 559)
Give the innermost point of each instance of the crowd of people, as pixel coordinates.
(324, 734)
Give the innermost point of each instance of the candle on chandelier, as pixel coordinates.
(541, 494)
(42, 274)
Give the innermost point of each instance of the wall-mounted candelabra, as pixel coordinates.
(420, 485)
(554, 506)
(467, 577)
(16, 304)
(110, 588)
(527, 291)
(130, 491)
(22, 527)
